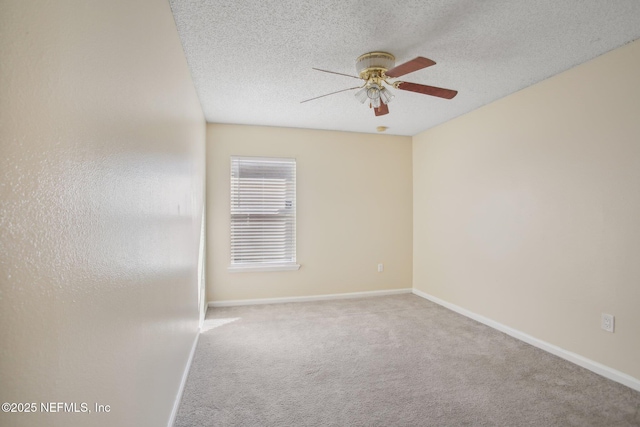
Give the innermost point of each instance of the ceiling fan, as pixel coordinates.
(375, 68)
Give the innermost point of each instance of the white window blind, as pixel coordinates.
(263, 212)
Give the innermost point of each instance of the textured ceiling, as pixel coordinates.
(252, 61)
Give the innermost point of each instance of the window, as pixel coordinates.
(263, 214)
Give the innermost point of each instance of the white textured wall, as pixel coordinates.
(101, 181)
(527, 211)
(353, 211)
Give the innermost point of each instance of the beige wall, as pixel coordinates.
(353, 211)
(527, 211)
(101, 181)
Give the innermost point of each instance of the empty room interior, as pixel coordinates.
(205, 220)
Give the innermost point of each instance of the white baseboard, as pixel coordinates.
(183, 382)
(231, 303)
(589, 364)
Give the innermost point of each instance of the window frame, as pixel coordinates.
(263, 266)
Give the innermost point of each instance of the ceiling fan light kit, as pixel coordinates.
(386, 95)
(374, 94)
(375, 68)
(371, 68)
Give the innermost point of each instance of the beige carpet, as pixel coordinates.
(385, 361)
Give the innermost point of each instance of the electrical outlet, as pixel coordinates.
(380, 268)
(607, 322)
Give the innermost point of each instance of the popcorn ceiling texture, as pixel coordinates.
(251, 61)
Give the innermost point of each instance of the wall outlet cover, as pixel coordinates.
(607, 322)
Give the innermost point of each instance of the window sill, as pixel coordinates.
(257, 268)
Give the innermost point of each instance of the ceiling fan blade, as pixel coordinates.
(338, 91)
(333, 72)
(409, 67)
(382, 109)
(427, 90)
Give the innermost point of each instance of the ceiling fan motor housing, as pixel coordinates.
(374, 64)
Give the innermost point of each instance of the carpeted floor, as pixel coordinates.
(385, 361)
